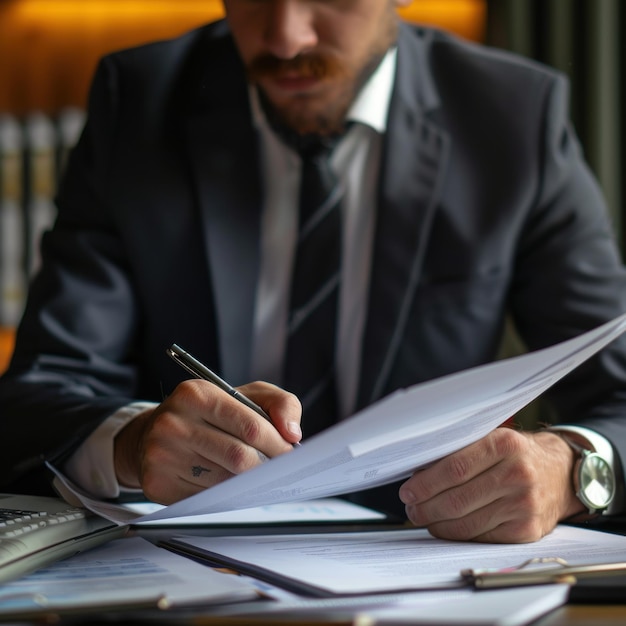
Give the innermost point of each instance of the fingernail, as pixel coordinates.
(407, 496)
(294, 428)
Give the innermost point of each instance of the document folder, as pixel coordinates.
(540, 571)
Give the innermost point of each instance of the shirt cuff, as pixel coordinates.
(92, 465)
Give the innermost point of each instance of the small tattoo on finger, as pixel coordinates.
(197, 470)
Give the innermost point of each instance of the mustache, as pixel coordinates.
(316, 66)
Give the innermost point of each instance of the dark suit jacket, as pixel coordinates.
(485, 209)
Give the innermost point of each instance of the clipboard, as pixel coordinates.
(545, 570)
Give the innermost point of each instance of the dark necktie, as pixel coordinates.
(312, 329)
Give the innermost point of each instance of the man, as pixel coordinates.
(466, 199)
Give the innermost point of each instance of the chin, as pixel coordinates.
(319, 120)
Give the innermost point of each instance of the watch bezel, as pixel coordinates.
(587, 478)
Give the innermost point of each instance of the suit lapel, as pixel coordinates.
(226, 177)
(414, 157)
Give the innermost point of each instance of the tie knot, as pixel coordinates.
(315, 147)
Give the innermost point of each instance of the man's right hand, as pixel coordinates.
(199, 436)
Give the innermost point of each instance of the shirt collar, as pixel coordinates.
(371, 105)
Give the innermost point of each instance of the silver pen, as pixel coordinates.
(199, 370)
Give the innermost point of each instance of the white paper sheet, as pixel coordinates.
(124, 571)
(392, 438)
(322, 511)
(376, 561)
(502, 607)
(450, 607)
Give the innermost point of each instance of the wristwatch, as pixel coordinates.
(593, 478)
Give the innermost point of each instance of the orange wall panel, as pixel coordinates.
(6, 347)
(49, 48)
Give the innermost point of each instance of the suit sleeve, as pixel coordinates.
(72, 362)
(570, 278)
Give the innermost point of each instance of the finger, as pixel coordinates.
(511, 475)
(203, 403)
(226, 451)
(525, 530)
(468, 528)
(499, 483)
(176, 439)
(284, 408)
(502, 521)
(458, 502)
(461, 467)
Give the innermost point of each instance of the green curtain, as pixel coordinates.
(582, 38)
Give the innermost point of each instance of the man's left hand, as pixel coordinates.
(509, 487)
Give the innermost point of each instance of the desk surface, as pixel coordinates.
(578, 615)
(571, 615)
(586, 615)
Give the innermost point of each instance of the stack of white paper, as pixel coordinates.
(389, 440)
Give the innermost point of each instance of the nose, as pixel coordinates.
(289, 28)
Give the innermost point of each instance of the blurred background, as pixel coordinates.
(49, 50)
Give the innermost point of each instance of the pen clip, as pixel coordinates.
(523, 574)
(526, 574)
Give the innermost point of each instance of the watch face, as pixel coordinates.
(597, 482)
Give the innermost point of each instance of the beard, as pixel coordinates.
(322, 113)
